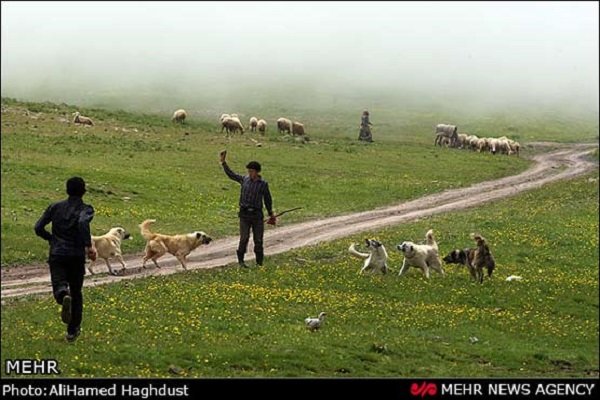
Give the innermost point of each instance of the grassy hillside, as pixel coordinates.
(233, 322)
(141, 166)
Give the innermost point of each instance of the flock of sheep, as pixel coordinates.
(447, 135)
(232, 124)
(229, 123)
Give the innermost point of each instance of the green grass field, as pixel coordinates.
(233, 322)
(141, 166)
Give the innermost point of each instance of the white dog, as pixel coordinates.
(109, 245)
(424, 256)
(376, 261)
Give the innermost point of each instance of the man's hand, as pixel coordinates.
(272, 220)
(222, 156)
(92, 253)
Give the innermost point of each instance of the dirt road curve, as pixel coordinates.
(561, 164)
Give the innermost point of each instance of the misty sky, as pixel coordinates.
(482, 49)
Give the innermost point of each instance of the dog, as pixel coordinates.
(157, 245)
(462, 257)
(481, 257)
(376, 260)
(109, 245)
(424, 256)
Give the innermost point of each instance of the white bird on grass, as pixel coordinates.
(315, 323)
(514, 278)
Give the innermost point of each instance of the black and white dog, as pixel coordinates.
(376, 260)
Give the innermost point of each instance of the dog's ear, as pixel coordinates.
(367, 242)
(198, 235)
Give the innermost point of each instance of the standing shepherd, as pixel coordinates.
(254, 191)
(69, 241)
(365, 129)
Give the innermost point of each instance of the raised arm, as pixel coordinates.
(232, 175)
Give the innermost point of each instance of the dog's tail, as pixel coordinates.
(145, 228)
(356, 253)
(430, 239)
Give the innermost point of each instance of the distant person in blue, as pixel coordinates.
(365, 128)
(70, 241)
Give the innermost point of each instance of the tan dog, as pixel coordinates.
(424, 256)
(180, 246)
(109, 245)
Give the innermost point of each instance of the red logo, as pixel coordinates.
(425, 389)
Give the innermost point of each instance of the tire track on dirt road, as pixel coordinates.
(548, 167)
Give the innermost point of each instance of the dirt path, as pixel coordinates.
(549, 167)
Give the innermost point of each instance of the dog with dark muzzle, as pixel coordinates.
(158, 244)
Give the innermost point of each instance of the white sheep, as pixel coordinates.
(514, 147)
(494, 144)
(462, 140)
(253, 123)
(179, 116)
(444, 130)
(80, 119)
(232, 125)
(262, 126)
(473, 142)
(284, 125)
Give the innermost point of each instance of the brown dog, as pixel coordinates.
(480, 257)
(179, 245)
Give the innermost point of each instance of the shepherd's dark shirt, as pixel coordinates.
(253, 192)
(70, 220)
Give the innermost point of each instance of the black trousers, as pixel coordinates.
(258, 229)
(66, 274)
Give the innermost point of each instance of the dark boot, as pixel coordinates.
(240, 256)
(259, 257)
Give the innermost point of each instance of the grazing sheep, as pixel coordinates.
(232, 125)
(262, 126)
(514, 147)
(80, 119)
(443, 141)
(493, 143)
(481, 145)
(253, 123)
(179, 116)
(297, 128)
(462, 140)
(473, 142)
(284, 125)
(450, 131)
(504, 146)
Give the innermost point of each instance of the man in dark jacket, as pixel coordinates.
(69, 241)
(254, 191)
